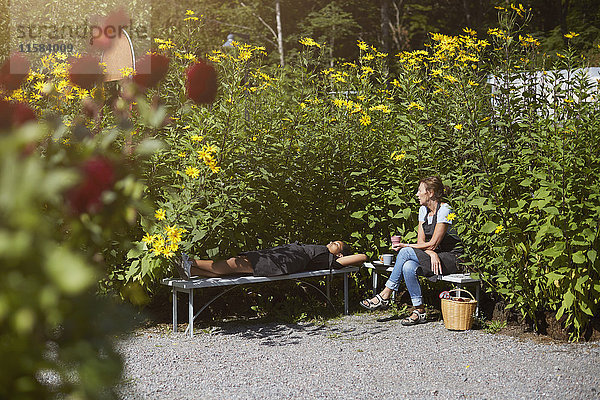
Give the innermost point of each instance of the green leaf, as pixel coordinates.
(568, 299)
(68, 271)
(489, 227)
(579, 257)
(592, 254)
(358, 214)
(555, 251)
(149, 147)
(580, 282)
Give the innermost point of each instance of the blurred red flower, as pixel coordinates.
(105, 30)
(153, 68)
(201, 83)
(85, 72)
(14, 114)
(98, 175)
(13, 72)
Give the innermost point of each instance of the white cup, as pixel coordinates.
(386, 259)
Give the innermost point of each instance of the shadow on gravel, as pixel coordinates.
(277, 334)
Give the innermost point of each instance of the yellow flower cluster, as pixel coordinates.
(206, 154)
(398, 156)
(350, 105)
(165, 243)
(164, 44)
(383, 108)
(244, 53)
(48, 87)
(190, 16)
(415, 105)
(528, 41)
(308, 42)
(519, 9)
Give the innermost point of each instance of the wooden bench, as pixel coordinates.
(188, 286)
(459, 280)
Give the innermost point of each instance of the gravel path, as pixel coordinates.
(354, 357)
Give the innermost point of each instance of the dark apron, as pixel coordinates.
(448, 250)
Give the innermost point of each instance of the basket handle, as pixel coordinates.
(462, 290)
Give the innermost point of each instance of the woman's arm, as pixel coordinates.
(421, 234)
(438, 234)
(352, 259)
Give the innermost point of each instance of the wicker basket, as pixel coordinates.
(458, 314)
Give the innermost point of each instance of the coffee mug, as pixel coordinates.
(386, 259)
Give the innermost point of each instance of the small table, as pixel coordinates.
(459, 280)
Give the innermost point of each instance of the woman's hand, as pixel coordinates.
(398, 246)
(436, 264)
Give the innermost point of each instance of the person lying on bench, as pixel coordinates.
(280, 260)
(435, 252)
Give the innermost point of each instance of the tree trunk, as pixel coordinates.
(385, 25)
(279, 33)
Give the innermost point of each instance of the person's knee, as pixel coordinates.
(409, 267)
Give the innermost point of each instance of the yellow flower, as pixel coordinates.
(398, 156)
(368, 57)
(499, 229)
(181, 154)
(362, 45)
(39, 86)
(458, 127)
(197, 138)
(309, 42)
(469, 31)
(415, 105)
(365, 120)
(192, 172)
(148, 239)
(450, 78)
(571, 35)
(383, 108)
(451, 217)
(126, 72)
(160, 214)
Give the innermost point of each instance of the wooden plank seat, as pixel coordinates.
(459, 280)
(188, 286)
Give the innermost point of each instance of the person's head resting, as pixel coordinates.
(434, 187)
(339, 248)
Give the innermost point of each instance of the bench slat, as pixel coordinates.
(454, 278)
(242, 280)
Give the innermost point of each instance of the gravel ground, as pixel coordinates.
(353, 357)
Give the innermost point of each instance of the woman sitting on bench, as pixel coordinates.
(280, 260)
(435, 252)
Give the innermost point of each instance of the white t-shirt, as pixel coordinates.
(442, 214)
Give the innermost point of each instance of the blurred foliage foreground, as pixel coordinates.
(107, 182)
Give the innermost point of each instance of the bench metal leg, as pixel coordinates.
(174, 310)
(374, 282)
(345, 294)
(477, 289)
(191, 312)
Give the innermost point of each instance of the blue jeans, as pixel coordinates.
(406, 265)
